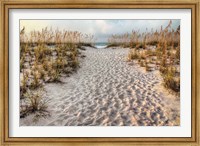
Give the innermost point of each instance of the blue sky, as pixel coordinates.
(102, 29)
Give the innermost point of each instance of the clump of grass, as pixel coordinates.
(133, 54)
(143, 63)
(142, 55)
(74, 63)
(36, 102)
(23, 86)
(65, 51)
(155, 50)
(35, 99)
(170, 79)
(150, 52)
(178, 53)
(46, 55)
(36, 79)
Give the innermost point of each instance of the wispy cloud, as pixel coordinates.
(102, 26)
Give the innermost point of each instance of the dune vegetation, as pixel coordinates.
(44, 57)
(69, 79)
(154, 50)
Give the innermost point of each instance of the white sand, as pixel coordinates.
(108, 91)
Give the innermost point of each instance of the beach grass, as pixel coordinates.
(107, 79)
(44, 56)
(155, 50)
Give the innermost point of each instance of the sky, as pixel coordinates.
(101, 29)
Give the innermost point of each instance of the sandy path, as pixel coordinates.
(108, 91)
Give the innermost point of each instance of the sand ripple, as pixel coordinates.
(108, 91)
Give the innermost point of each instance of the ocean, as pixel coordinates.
(100, 45)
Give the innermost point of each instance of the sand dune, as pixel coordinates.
(108, 91)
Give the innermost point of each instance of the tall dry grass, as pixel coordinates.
(159, 49)
(44, 56)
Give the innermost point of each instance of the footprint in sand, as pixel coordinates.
(106, 91)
